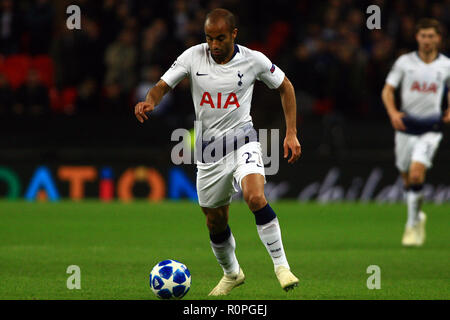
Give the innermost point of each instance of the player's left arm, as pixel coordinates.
(446, 117)
(287, 94)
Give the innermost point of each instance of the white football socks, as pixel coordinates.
(413, 202)
(270, 235)
(225, 255)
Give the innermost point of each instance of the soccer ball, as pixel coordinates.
(170, 279)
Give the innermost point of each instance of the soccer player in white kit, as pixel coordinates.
(222, 76)
(423, 74)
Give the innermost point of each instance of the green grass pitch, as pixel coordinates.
(329, 247)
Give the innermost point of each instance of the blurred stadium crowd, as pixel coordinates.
(335, 62)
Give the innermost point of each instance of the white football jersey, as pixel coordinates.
(222, 93)
(422, 84)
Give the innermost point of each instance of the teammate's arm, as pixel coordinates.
(289, 104)
(388, 97)
(152, 99)
(446, 117)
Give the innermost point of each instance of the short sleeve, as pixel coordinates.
(179, 70)
(395, 76)
(267, 72)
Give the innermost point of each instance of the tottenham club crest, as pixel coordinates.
(240, 78)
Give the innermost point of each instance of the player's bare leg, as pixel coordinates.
(268, 228)
(417, 173)
(415, 226)
(405, 180)
(223, 246)
(409, 237)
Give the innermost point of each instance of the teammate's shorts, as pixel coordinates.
(415, 148)
(218, 182)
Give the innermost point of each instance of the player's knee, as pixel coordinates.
(255, 200)
(416, 177)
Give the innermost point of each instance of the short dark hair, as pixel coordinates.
(225, 14)
(426, 23)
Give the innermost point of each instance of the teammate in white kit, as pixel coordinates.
(423, 75)
(222, 76)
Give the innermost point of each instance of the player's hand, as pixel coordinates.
(446, 117)
(291, 143)
(141, 109)
(397, 122)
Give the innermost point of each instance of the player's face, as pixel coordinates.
(220, 40)
(428, 40)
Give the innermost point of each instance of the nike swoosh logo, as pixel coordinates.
(269, 244)
(201, 74)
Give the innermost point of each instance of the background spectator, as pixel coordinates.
(10, 27)
(120, 60)
(39, 20)
(6, 96)
(32, 97)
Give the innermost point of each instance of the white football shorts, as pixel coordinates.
(415, 148)
(218, 182)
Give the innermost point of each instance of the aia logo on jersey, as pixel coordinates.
(230, 100)
(424, 87)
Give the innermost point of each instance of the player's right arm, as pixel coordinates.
(388, 97)
(179, 70)
(393, 80)
(152, 99)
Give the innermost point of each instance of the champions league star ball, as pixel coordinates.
(170, 279)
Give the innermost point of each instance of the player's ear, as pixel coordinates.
(234, 33)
